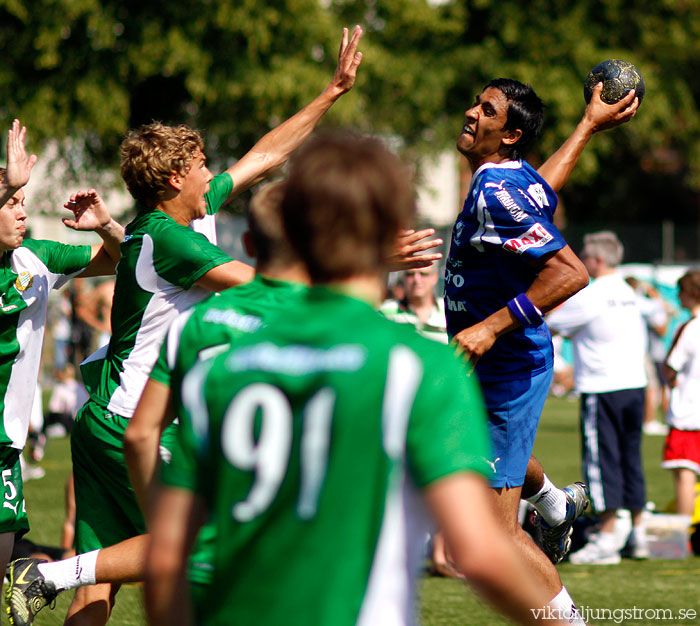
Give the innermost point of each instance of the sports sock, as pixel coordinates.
(550, 502)
(639, 535)
(564, 609)
(69, 573)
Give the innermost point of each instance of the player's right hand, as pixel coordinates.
(19, 165)
(603, 116)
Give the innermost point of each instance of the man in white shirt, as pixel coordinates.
(607, 329)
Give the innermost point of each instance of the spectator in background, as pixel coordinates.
(608, 333)
(656, 317)
(61, 314)
(67, 396)
(682, 370)
(419, 306)
(81, 321)
(102, 296)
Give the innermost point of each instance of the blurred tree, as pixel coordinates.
(89, 69)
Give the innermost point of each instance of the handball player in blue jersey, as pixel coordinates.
(508, 265)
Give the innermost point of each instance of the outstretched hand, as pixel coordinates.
(89, 211)
(602, 116)
(411, 242)
(19, 165)
(349, 60)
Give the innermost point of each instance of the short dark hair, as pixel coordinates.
(266, 228)
(346, 199)
(525, 112)
(690, 283)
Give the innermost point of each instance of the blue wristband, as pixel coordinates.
(524, 311)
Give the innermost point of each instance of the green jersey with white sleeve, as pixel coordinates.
(161, 261)
(29, 273)
(213, 325)
(312, 439)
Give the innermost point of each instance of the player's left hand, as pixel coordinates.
(349, 60)
(409, 244)
(602, 116)
(89, 211)
(473, 342)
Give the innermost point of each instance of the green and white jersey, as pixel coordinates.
(29, 273)
(435, 326)
(161, 261)
(219, 321)
(213, 325)
(207, 225)
(312, 439)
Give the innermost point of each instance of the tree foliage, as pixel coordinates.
(87, 70)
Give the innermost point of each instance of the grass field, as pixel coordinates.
(651, 587)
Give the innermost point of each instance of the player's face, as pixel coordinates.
(482, 133)
(195, 184)
(12, 218)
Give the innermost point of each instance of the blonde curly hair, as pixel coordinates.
(151, 153)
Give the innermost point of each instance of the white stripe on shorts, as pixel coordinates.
(592, 458)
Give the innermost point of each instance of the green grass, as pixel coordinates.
(45, 506)
(654, 584)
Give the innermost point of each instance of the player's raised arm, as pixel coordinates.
(19, 165)
(597, 116)
(90, 213)
(273, 150)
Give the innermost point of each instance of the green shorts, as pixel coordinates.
(13, 514)
(107, 511)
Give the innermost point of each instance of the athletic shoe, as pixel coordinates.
(28, 592)
(595, 553)
(556, 540)
(636, 549)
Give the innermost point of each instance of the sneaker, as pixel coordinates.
(28, 592)
(636, 548)
(556, 540)
(595, 553)
(32, 472)
(655, 428)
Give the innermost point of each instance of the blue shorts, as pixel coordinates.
(514, 408)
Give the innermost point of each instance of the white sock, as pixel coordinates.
(564, 609)
(550, 502)
(69, 573)
(639, 536)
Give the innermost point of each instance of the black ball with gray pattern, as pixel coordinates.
(618, 78)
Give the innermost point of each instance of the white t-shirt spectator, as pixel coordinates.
(684, 407)
(608, 335)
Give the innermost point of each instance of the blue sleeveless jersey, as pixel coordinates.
(505, 225)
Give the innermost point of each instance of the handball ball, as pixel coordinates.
(618, 78)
